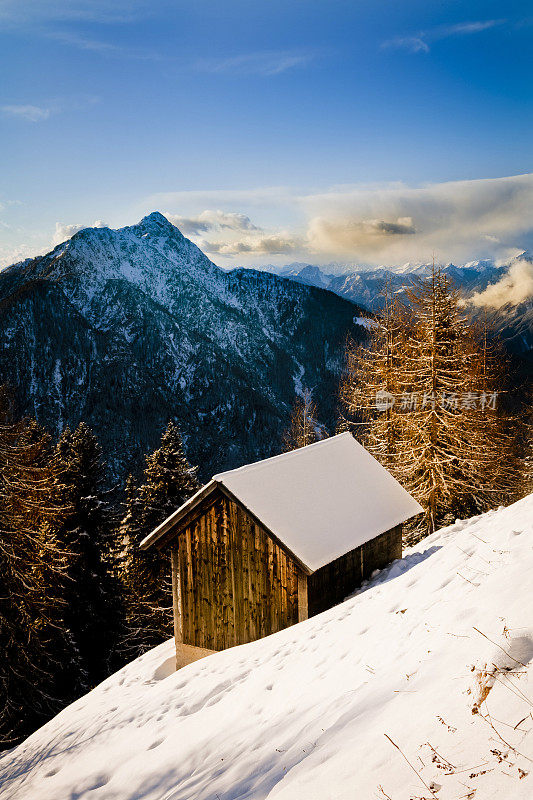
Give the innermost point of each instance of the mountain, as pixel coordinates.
(419, 686)
(128, 328)
(308, 274)
(364, 286)
(512, 323)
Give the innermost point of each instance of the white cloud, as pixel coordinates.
(64, 232)
(458, 221)
(465, 28)
(515, 287)
(258, 245)
(55, 20)
(367, 224)
(261, 63)
(413, 44)
(212, 221)
(12, 255)
(105, 48)
(33, 113)
(420, 42)
(199, 199)
(21, 12)
(235, 234)
(26, 112)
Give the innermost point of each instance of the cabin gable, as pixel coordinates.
(232, 583)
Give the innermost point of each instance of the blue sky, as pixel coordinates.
(356, 131)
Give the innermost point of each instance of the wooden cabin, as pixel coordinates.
(264, 546)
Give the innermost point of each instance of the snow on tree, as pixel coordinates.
(304, 428)
(168, 481)
(91, 590)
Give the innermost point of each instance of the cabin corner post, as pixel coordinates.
(303, 612)
(176, 596)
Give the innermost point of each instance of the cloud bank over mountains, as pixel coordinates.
(459, 221)
(370, 224)
(383, 224)
(515, 287)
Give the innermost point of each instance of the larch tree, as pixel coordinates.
(527, 466)
(373, 379)
(304, 428)
(168, 481)
(37, 650)
(91, 589)
(441, 434)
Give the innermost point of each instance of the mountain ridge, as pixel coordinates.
(512, 323)
(127, 329)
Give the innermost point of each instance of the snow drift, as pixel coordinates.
(419, 686)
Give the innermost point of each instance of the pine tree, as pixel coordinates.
(35, 644)
(441, 435)
(304, 428)
(168, 481)
(91, 590)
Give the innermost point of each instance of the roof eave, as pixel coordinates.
(173, 520)
(183, 512)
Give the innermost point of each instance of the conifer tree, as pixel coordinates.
(304, 428)
(91, 590)
(35, 645)
(441, 436)
(527, 467)
(372, 382)
(168, 481)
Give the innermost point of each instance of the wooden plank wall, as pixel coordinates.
(237, 585)
(332, 583)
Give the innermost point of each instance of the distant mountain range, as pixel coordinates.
(512, 323)
(366, 286)
(128, 328)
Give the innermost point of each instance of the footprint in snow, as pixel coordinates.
(51, 773)
(155, 744)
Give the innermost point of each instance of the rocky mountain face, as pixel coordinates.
(126, 329)
(512, 323)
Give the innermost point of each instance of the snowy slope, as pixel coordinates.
(305, 713)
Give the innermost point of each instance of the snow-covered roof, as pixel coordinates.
(320, 501)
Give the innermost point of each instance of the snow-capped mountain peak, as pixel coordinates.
(156, 220)
(128, 328)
